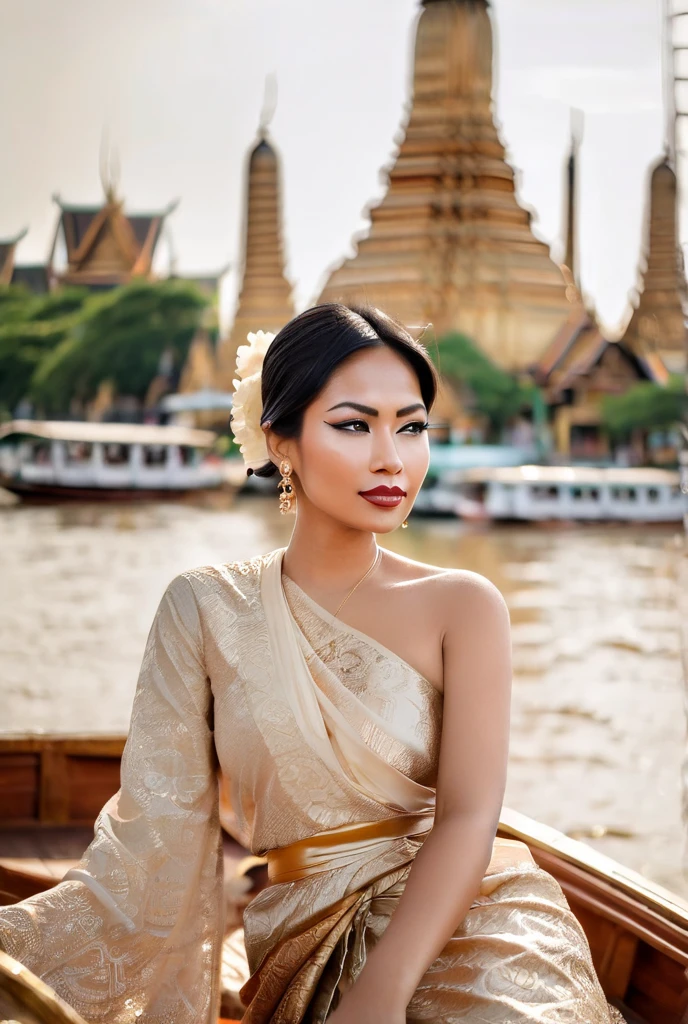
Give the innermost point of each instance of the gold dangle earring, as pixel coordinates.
(404, 525)
(287, 498)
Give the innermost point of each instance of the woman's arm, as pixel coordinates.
(450, 866)
(133, 933)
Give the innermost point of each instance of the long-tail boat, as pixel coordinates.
(52, 788)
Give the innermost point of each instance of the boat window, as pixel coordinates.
(543, 493)
(188, 455)
(624, 494)
(154, 454)
(653, 494)
(40, 453)
(585, 493)
(78, 451)
(116, 454)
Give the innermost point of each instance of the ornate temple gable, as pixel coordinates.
(581, 360)
(616, 371)
(8, 248)
(106, 247)
(265, 302)
(657, 325)
(449, 243)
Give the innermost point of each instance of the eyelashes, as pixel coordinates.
(350, 427)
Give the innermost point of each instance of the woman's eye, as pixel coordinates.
(414, 428)
(353, 426)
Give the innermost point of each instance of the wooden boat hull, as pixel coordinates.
(55, 492)
(52, 788)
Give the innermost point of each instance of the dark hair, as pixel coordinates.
(304, 354)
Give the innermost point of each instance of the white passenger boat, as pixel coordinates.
(113, 461)
(539, 493)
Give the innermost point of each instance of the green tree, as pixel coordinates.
(646, 406)
(120, 336)
(31, 327)
(492, 392)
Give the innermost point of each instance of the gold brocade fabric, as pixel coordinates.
(316, 728)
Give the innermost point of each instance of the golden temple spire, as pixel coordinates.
(449, 243)
(571, 254)
(265, 302)
(657, 325)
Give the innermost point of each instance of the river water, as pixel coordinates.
(598, 730)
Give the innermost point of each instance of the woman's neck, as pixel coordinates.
(327, 558)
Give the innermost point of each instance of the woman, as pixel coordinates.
(357, 703)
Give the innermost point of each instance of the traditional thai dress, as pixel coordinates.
(328, 746)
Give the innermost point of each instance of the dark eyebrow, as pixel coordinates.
(373, 412)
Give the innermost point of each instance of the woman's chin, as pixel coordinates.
(381, 521)
(370, 519)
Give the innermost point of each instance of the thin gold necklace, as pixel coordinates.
(365, 575)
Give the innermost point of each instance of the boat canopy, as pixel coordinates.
(108, 433)
(197, 401)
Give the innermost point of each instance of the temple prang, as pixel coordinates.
(265, 296)
(449, 243)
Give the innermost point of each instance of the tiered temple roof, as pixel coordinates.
(580, 350)
(265, 302)
(105, 246)
(581, 366)
(449, 243)
(578, 369)
(658, 324)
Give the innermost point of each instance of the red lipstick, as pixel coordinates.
(384, 497)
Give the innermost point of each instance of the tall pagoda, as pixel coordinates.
(658, 323)
(449, 243)
(265, 302)
(104, 246)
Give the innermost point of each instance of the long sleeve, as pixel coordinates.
(133, 934)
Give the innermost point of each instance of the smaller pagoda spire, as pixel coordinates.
(571, 254)
(265, 301)
(658, 323)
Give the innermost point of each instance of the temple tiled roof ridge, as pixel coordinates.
(96, 207)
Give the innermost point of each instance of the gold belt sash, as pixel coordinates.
(340, 846)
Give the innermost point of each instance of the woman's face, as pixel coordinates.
(365, 432)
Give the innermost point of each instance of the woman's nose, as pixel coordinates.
(384, 455)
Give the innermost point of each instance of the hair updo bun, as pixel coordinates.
(305, 353)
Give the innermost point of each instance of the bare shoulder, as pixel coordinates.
(453, 594)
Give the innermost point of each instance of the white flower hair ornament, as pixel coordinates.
(247, 402)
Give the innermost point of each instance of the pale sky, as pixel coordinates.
(179, 85)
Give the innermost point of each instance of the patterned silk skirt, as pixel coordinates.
(519, 956)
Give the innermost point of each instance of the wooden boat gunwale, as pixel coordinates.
(636, 929)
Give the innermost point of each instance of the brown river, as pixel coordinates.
(598, 733)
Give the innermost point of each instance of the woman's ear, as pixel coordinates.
(278, 447)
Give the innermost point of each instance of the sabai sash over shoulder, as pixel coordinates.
(325, 729)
